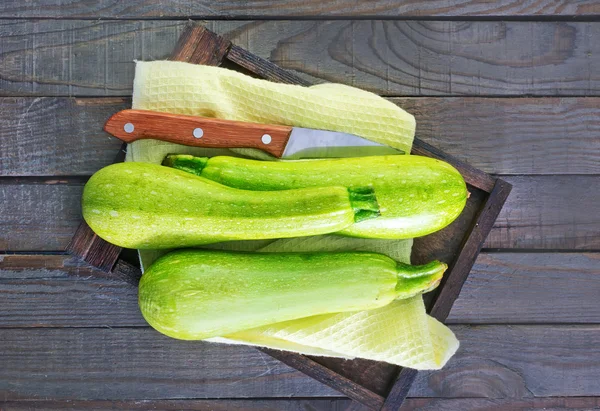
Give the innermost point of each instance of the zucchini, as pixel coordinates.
(417, 195)
(148, 206)
(198, 294)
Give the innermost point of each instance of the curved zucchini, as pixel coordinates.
(198, 294)
(417, 195)
(147, 206)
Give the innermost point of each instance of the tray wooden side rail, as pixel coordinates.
(367, 383)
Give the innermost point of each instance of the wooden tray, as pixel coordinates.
(371, 384)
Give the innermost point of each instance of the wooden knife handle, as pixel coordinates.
(132, 125)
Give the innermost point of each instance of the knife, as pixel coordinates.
(277, 140)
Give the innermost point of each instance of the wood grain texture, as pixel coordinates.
(63, 57)
(312, 404)
(43, 136)
(496, 361)
(512, 135)
(257, 66)
(549, 212)
(67, 302)
(542, 212)
(263, 404)
(19, 266)
(530, 288)
(140, 9)
(512, 288)
(197, 45)
(90, 248)
(328, 376)
(39, 135)
(139, 363)
(73, 57)
(514, 361)
(502, 404)
(39, 216)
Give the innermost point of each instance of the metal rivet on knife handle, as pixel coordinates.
(198, 132)
(129, 127)
(266, 139)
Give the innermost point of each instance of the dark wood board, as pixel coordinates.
(504, 136)
(338, 404)
(139, 363)
(565, 217)
(503, 288)
(46, 218)
(530, 288)
(502, 404)
(566, 214)
(515, 361)
(205, 9)
(320, 404)
(46, 136)
(392, 58)
(264, 404)
(494, 362)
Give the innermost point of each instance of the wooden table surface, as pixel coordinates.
(511, 87)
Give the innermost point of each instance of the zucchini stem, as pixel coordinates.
(186, 162)
(364, 203)
(418, 279)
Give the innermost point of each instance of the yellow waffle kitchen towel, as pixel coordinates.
(400, 333)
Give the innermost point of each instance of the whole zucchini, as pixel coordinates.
(417, 195)
(147, 206)
(198, 294)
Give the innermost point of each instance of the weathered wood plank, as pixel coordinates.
(501, 404)
(137, 9)
(42, 136)
(514, 361)
(512, 135)
(542, 212)
(262, 404)
(74, 57)
(139, 363)
(56, 136)
(62, 57)
(313, 404)
(551, 212)
(68, 302)
(19, 266)
(41, 217)
(512, 288)
(496, 361)
(530, 288)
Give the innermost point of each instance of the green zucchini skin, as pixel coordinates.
(198, 294)
(147, 206)
(417, 195)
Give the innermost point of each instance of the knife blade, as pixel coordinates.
(280, 141)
